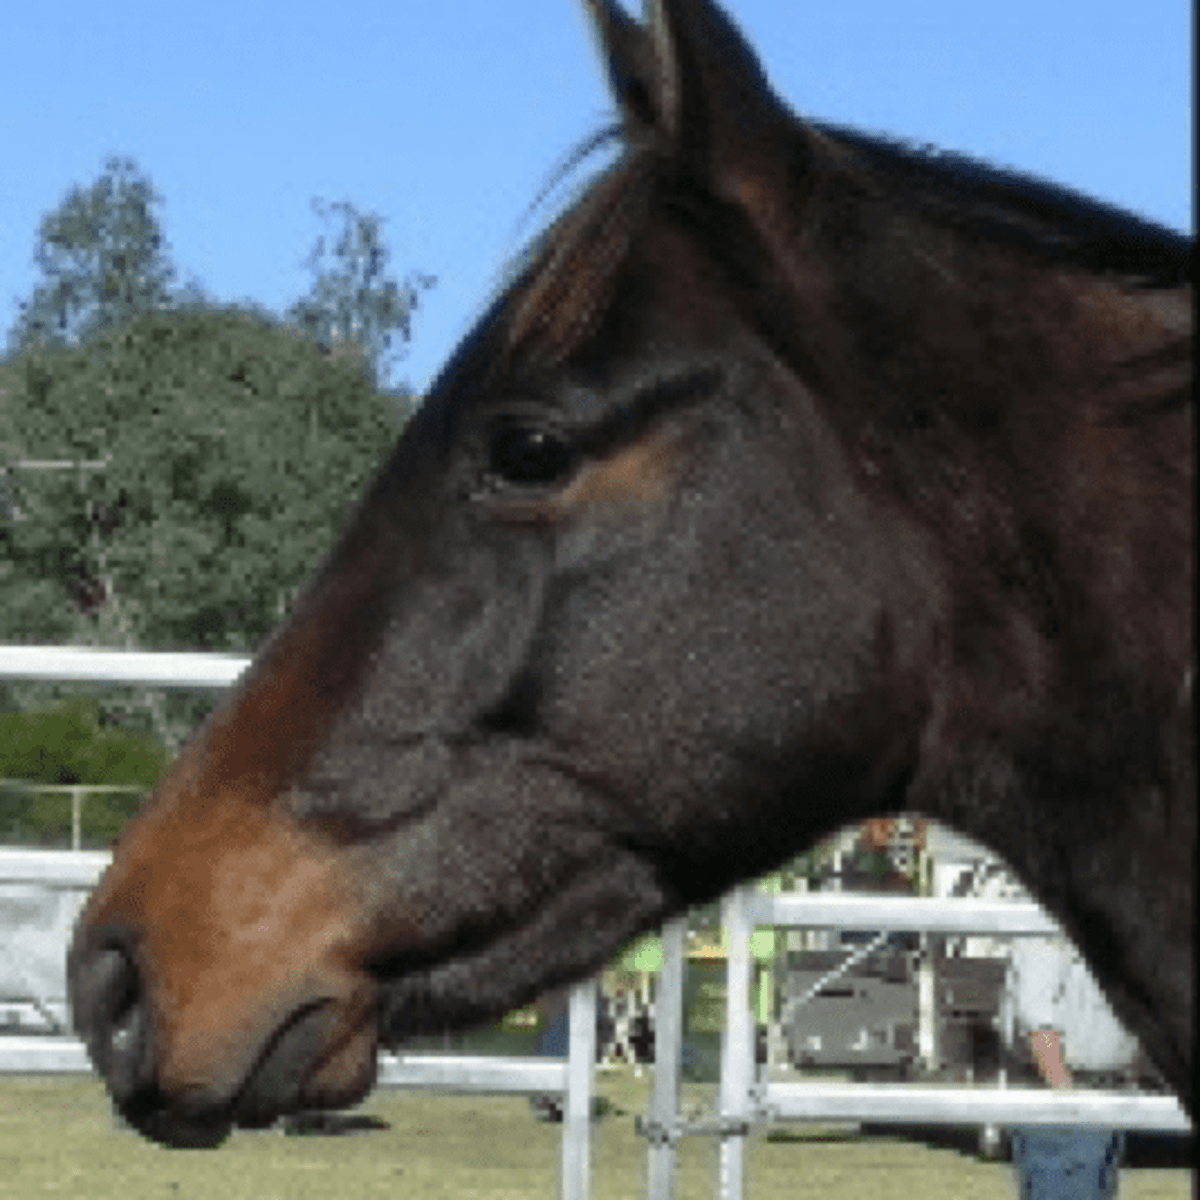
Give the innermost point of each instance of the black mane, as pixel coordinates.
(999, 204)
(986, 203)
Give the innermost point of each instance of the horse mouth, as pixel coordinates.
(301, 1067)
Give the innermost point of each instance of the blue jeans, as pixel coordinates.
(1066, 1162)
(553, 1036)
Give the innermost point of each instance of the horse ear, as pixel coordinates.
(633, 71)
(689, 79)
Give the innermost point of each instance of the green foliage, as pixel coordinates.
(232, 448)
(103, 258)
(68, 744)
(875, 863)
(229, 448)
(171, 471)
(352, 302)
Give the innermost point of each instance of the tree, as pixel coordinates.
(232, 447)
(171, 471)
(352, 302)
(104, 259)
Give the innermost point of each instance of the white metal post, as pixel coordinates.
(577, 1105)
(927, 1031)
(668, 1059)
(76, 805)
(737, 1046)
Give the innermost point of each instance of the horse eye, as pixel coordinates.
(519, 454)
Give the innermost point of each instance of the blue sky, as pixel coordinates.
(446, 117)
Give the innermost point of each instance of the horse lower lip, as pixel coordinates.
(275, 1085)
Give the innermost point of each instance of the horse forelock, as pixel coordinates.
(559, 299)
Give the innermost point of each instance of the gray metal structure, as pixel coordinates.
(747, 1100)
(840, 1012)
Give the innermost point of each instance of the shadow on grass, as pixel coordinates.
(850, 1133)
(330, 1124)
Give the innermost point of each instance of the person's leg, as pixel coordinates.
(1062, 1162)
(552, 1041)
(1110, 1168)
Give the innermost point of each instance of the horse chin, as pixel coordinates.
(418, 1005)
(177, 1129)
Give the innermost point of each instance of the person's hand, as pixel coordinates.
(1047, 1054)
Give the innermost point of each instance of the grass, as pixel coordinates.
(57, 1139)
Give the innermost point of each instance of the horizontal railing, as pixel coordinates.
(44, 1055)
(142, 668)
(917, 1104)
(138, 668)
(53, 870)
(908, 914)
(745, 1099)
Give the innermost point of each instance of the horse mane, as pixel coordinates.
(569, 271)
(562, 281)
(1008, 207)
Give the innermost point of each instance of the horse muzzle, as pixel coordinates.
(312, 1048)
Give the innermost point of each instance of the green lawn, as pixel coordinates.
(56, 1139)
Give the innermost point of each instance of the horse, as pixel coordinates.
(794, 477)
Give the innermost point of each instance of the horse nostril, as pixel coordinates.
(125, 1035)
(110, 1014)
(102, 982)
(128, 1049)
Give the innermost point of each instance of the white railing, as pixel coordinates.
(87, 664)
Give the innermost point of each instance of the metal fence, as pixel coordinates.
(747, 1099)
(78, 793)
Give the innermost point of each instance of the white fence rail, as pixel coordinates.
(141, 668)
